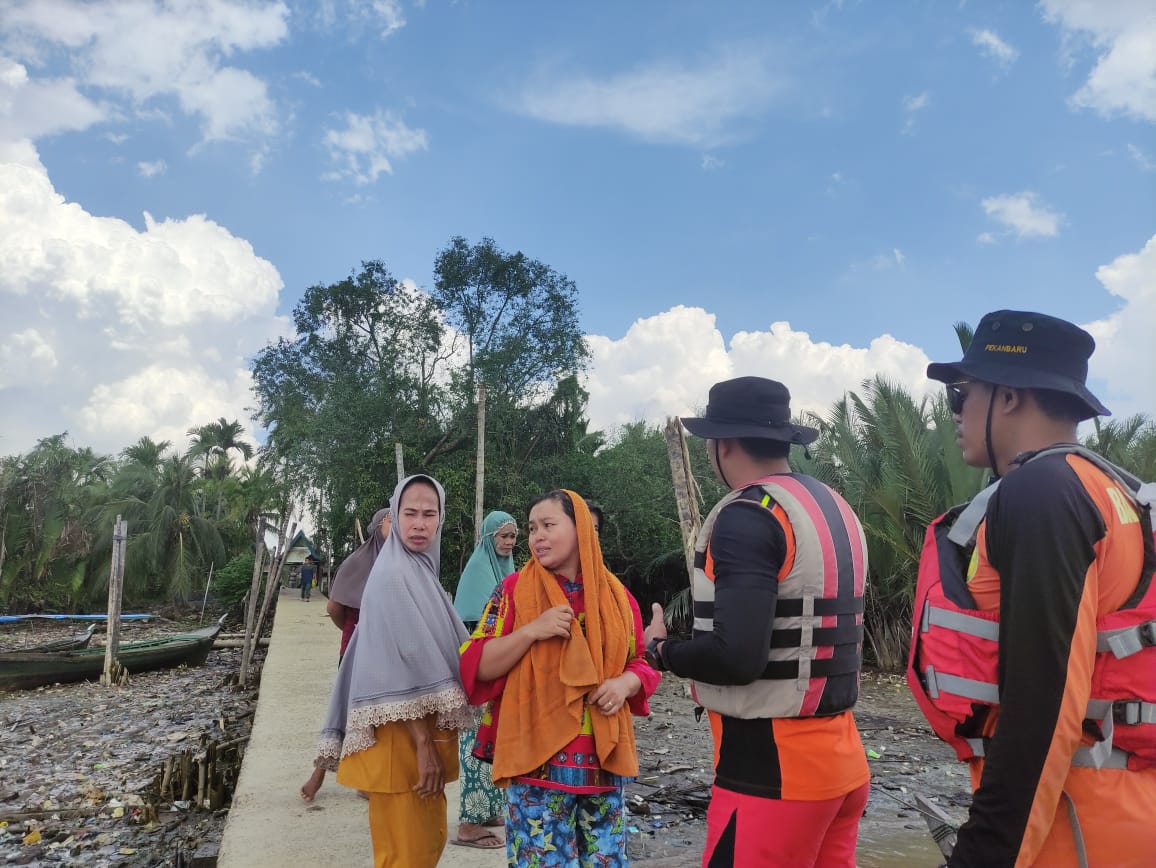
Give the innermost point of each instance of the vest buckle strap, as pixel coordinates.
(960, 622)
(1128, 640)
(1133, 712)
(969, 688)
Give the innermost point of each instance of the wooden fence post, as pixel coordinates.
(685, 490)
(251, 609)
(113, 672)
(399, 457)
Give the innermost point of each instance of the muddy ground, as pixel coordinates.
(668, 801)
(82, 766)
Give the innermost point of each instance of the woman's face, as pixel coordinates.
(420, 516)
(386, 525)
(504, 540)
(554, 538)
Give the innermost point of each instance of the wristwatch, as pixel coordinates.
(653, 654)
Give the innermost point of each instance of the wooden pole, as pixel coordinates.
(399, 457)
(113, 672)
(357, 527)
(251, 609)
(273, 584)
(205, 601)
(689, 520)
(480, 480)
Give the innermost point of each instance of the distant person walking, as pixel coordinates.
(308, 571)
(391, 728)
(482, 804)
(777, 646)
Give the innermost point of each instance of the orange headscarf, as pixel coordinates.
(544, 699)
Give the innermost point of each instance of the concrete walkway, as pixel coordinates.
(269, 824)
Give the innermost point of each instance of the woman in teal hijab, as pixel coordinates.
(482, 804)
(492, 560)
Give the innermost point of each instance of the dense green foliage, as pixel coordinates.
(375, 363)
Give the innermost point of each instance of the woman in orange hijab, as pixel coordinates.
(558, 657)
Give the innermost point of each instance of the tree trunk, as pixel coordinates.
(399, 457)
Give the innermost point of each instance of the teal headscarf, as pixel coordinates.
(484, 569)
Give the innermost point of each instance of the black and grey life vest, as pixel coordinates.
(817, 639)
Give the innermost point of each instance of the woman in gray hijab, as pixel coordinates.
(391, 728)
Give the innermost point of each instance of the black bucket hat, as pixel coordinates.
(750, 407)
(1026, 350)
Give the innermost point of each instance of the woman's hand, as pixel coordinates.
(431, 774)
(552, 623)
(612, 693)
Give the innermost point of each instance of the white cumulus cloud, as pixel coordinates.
(1125, 356)
(364, 148)
(116, 332)
(1024, 214)
(662, 101)
(1122, 34)
(665, 364)
(137, 53)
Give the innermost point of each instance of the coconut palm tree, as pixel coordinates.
(169, 540)
(895, 461)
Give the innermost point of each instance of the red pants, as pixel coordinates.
(753, 832)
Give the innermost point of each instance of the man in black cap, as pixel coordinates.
(777, 643)
(1055, 709)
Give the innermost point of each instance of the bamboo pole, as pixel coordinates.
(113, 672)
(480, 478)
(689, 519)
(399, 457)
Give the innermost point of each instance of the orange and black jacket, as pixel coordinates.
(1055, 551)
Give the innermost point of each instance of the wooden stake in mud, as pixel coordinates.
(685, 489)
(399, 457)
(480, 479)
(251, 609)
(205, 601)
(273, 583)
(113, 672)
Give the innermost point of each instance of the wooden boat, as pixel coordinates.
(24, 669)
(72, 643)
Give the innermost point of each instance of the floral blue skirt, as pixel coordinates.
(547, 827)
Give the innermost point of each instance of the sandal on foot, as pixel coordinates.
(488, 841)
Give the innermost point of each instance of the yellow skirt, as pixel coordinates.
(408, 831)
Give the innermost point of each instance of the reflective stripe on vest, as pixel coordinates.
(817, 627)
(954, 650)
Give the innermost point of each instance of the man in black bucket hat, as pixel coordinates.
(776, 648)
(1058, 722)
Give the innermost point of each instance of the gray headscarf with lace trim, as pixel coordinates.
(402, 661)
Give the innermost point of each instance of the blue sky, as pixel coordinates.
(810, 191)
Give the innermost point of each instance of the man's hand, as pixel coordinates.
(657, 628)
(552, 623)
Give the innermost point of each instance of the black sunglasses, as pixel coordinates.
(956, 396)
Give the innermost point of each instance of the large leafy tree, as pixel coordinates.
(518, 315)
